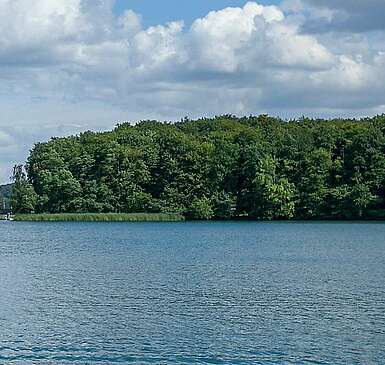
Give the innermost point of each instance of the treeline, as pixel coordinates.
(225, 167)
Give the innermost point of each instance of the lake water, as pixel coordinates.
(192, 293)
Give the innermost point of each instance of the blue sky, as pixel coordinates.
(161, 11)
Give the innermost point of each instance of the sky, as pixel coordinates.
(162, 11)
(67, 66)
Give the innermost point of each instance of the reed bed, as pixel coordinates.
(100, 217)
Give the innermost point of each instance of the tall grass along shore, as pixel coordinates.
(100, 217)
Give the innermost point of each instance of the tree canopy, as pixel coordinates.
(224, 167)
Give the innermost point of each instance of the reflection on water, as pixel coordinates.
(201, 293)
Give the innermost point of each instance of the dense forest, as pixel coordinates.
(226, 167)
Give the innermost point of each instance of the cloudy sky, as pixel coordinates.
(72, 65)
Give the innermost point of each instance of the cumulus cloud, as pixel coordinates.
(69, 65)
(222, 36)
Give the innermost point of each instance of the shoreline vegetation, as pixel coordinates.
(167, 217)
(224, 168)
(100, 217)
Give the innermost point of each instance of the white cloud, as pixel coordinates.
(156, 47)
(224, 38)
(68, 65)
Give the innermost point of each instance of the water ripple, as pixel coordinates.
(192, 293)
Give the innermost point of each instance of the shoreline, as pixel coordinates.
(162, 217)
(100, 217)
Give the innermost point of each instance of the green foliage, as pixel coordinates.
(314, 183)
(200, 209)
(271, 196)
(226, 167)
(361, 198)
(224, 205)
(23, 198)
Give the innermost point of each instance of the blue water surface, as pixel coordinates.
(192, 293)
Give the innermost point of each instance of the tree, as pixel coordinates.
(200, 209)
(60, 192)
(224, 205)
(313, 186)
(272, 196)
(23, 199)
(362, 198)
